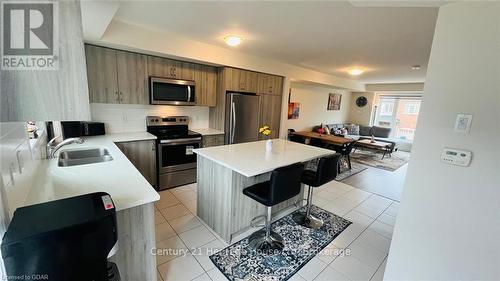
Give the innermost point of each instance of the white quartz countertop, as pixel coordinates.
(207, 131)
(126, 185)
(251, 159)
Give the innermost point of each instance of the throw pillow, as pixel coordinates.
(365, 130)
(381, 132)
(352, 129)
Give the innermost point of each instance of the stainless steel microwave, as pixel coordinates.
(171, 91)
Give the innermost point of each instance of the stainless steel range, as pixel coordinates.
(175, 160)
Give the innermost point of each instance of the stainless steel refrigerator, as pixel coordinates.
(242, 117)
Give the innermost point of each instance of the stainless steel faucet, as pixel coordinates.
(51, 149)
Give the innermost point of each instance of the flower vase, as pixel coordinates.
(269, 145)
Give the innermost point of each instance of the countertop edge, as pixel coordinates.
(254, 174)
(208, 131)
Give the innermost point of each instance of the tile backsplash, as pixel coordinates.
(120, 118)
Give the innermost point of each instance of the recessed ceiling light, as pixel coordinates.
(233, 40)
(355, 71)
(415, 67)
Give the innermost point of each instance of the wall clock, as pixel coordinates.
(361, 101)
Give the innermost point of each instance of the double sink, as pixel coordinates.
(75, 157)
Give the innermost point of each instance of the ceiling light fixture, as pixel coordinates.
(232, 40)
(355, 71)
(415, 67)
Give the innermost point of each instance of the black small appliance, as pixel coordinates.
(72, 129)
(62, 240)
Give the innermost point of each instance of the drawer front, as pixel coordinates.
(173, 179)
(213, 140)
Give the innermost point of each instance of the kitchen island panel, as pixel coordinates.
(136, 241)
(214, 198)
(221, 202)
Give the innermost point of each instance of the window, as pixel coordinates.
(386, 108)
(406, 133)
(412, 108)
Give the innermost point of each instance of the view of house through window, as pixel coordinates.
(400, 114)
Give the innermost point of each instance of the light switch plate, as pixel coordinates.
(463, 123)
(453, 156)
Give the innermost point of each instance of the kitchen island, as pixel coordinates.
(224, 171)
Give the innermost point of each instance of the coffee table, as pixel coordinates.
(375, 145)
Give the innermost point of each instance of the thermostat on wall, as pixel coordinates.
(457, 157)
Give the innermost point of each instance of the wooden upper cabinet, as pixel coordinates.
(241, 80)
(270, 84)
(132, 78)
(167, 68)
(116, 76)
(270, 113)
(102, 74)
(206, 85)
(186, 71)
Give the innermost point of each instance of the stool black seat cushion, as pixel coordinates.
(283, 185)
(326, 171)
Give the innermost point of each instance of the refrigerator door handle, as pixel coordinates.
(233, 115)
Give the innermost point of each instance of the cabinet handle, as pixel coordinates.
(117, 96)
(153, 146)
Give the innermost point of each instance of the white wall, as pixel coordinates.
(121, 118)
(361, 115)
(313, 103)
(448, 225)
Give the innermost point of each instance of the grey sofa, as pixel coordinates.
(379, 133)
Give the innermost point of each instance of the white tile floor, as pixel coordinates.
(185, 243)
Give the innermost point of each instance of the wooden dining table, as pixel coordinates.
(331, 139)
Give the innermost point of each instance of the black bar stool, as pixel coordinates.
(326, 172)
(283, 185)
(345, 151)
(294, 138)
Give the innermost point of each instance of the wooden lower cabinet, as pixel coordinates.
(270, 113)
(143, 155)
(213, 140)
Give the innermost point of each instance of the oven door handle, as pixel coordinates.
(180, 141)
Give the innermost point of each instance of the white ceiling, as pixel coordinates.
(324, 36)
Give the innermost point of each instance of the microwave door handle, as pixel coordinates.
(189, 94)
(233, 111)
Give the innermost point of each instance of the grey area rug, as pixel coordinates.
(240, 262)
(374, 159)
